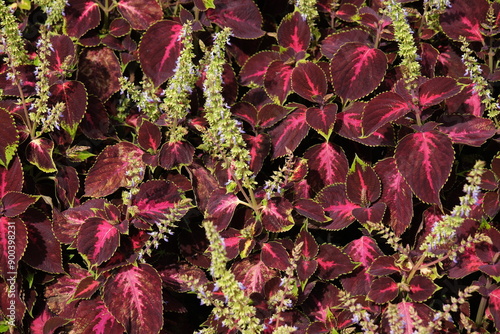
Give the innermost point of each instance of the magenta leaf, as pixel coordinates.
(322, 119)
(74, 97)
(383, 290)
(243, 17)
(362, 184)
(259, 147)
(310, 246)
(86, 288)
(309, 81)
(277, 81)
(149, 136)
(294, 33)
(175, 154)
(421, 288)
(433, 152)
(332, 262)
(467, 263)
(289, 133)
(310, 209)
(412, 315)
(81, 16)
(494, 306)
(92, 316)
(99, 69)
(97, 239)
(255, 68)
(396, 194)
(43, 251)
(140, 13)
(39, 153)
(13, 241)
(117, 166)
(8, 138)
(437, 90)
(337, 206)
(382, 109)
(357, 70)
(276, 215)
(327, 164)
(11, 178)
(157, 55)
(467, 129)
(253, 274)
(464, 18)
(15, 203)
(221, 208)
(274, 255)
(133, 296)
(156, 199)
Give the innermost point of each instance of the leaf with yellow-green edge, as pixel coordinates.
(39, 153)
(8, 137)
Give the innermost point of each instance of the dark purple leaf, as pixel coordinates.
(289, 133)
(332, 262)
(81, 16)
(309, 81)
(243, 17)
(140, 13)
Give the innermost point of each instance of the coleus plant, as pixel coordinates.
(308, 167)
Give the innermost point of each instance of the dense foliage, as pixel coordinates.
(223, 166)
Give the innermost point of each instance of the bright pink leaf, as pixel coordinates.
(92, 316)
(289, 133)
(322, 119)
(274, 255)
(81, 16)
(327, 165)
(276, 215)
(221, 206)
(467, 129)
(294, 32)
(383, 290)
(98, 239)
(382, 109)
(309, 81)
(253, 274)
(436, 90)
(337, 206)
(464, 18)
(278, 80)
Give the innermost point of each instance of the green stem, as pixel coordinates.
(482, 304)
(416, 266)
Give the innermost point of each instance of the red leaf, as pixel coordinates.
(467, 263)
(383, 290)
(44, 251)
(13, 241)
(63, 50)
(294, 33)
(243, 17)
(39, 153)
(92, 316)
(310, 209)
(149, 136)
(396, 194)
(67, 185)
(159, 49)
(221, 208)
(467, 129)
(357, 70)
(115, 167)
(271, 114)
(98, 239)
(259, 147)
(255, 68)
(464, 18)
(332, 43)
(140, 13)
(436, 90)
(327, 165)
(119, 27)
(310, 246)
(382, 109)
(86, 288)
(372, 214)
(274, 255)
(433, 152)
(349, 125)
(175, 154)
(8, 137)
(322, 119)
(309, 81)
(289, 133)
(11, 178)
(15, 203)
(253, 274)
(362, 183)
(306, 268)
(384, 265)
(332, 262)
(364, 250)
(276, 215)
(333, 198)
(81, 16)
(74, 97)
(421, 288)
(99, 69)
(156, 199)
(133, 297)
(277, 81)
